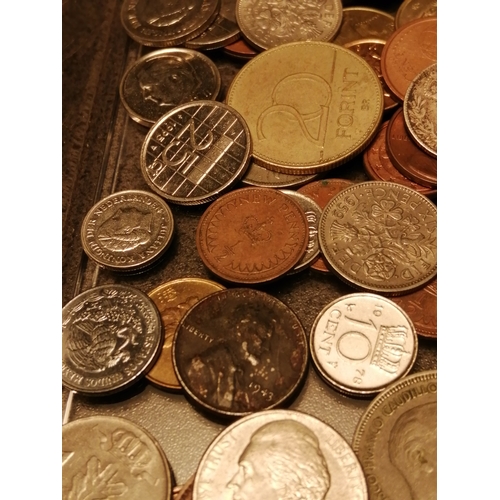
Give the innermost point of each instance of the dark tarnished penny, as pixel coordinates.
(238, 351)
(380, 167)
(406, 156)
(195, 152)
(164, 79)
(262, 177)
(410, 10)
(252, 235)
(111, 335)
(240, 50)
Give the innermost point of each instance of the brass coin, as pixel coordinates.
(173, 299)
(195, 152)
(266, 24)
(164, 79)
(128, 230)
(238, 351)
(263, 177)
(252, 235)
(410, 10)
(420, 109)
(380, 237)
(396, 440)
(310, 106)
(165, 23)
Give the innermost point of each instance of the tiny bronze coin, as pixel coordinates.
(252, 235)
(128, 230)
(111, 336)
(112, 457)
(240, 50)
(195, 152)
(362, 342)
(410, 10)
(164, 79)
(396, 440)
(239, 351)
(263, 177)
(380, 237)
(173, 299)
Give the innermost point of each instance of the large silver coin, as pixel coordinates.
(111, 335)
(279, 455)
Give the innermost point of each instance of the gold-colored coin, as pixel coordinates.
(310, 106)
(410, 10)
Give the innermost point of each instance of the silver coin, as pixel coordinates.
(111, 457)
(362, 342)
(279, 454)
(195, 152)
(128, 230)
(111, 335)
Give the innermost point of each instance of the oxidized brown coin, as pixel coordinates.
(380, 237)
(239, 351)
(406, 156)
(409, 50)
(262, 177)
(240, 50)
(396, 440)
(186, 491)
(252, 235)
(173, 299)
(415, 9)
(380, 167)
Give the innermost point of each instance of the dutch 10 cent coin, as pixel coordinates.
(111, 457)
(361, 343)
(396, 440)
(195, 152)
(111, 335)
(380, 237)
(310, 106)
(128, 230)
(280, 454)
(238, 351)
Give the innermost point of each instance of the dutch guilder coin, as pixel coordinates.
(128, 230)
(111, 335)
(252, 235)
(111, 457)
(173, 299)
(396, 440)
(380, 237)
(165, 23)
(195, 152)
(238, 351)
(310, 106)
(361, 343)
(280, 454)
(410, 10)
(164, 79)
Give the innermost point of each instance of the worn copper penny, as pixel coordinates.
(409, 50)
(410, 10)
(406, 156)
(263, 177)
(380, 167)
(240, 50)
(238, 351)
(185, 492)
(252, 235)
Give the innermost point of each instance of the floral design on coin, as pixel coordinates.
(195, 152)
(380, 237)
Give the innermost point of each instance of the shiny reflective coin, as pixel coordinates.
(110, 457)
(128, 230)
(164, 79)
(173, 299)
(420, 109)
(266, 24)
(240, 50)
(280, 454)
(195, 152)
(361, 343)
(310, 106)
(252, 235)
(111, 335)
(410, 10)
(262, 177)
(380, 237)
(239, 351)
(165, 23)
(396, 440)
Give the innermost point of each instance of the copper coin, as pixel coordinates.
(240, 50)
(238, 351)
(380, 167)
(415, 9)
(406, 156)
(185, 492)
(252, 235)
(409, 50)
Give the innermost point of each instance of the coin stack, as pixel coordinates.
(260, 163)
